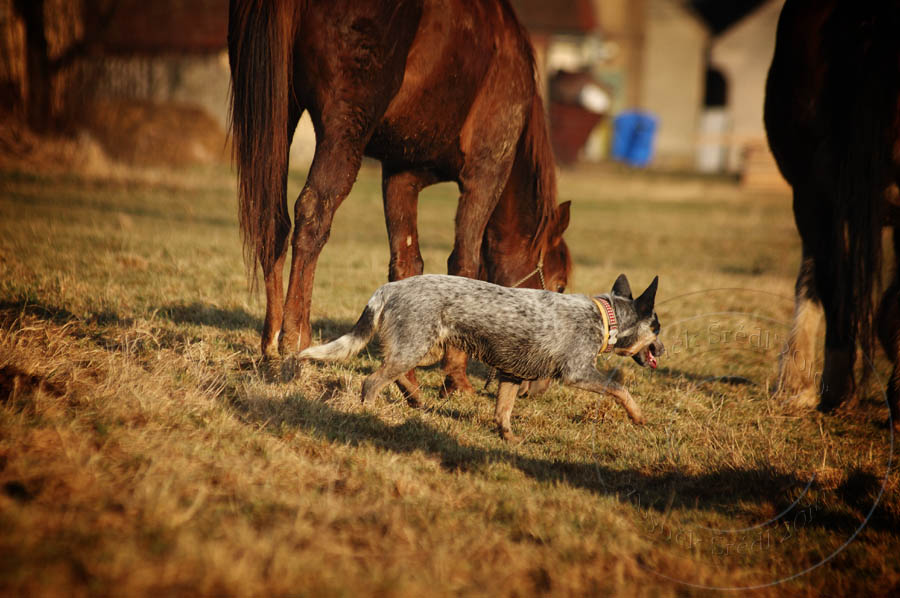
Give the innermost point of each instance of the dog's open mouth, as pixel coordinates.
(647, 358)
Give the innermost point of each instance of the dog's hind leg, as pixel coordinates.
(397, 361)
(590, 379)
(506, 398)
(375, 382)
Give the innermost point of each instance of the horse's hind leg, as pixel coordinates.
(400, 192)
(889, 335)
(797, 380)
(273, 276)
(334, 168)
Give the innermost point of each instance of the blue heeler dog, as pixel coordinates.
(526, 334)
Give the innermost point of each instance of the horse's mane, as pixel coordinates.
(535, 146)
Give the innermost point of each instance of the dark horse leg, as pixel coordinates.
(400, 192)
(476, 204)
(889, 335)
(798, 381)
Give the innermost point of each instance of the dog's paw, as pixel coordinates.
(638, 419)
(508, 436)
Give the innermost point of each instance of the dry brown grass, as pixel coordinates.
(143, 452)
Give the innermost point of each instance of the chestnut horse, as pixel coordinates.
(437, 90)
(832, 115)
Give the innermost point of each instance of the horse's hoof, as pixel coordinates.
(801, 399)
(451, 386)
(833, 402)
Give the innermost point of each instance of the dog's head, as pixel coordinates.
(638, 335)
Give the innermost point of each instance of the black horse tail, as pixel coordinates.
(260, 34)
(860, 98)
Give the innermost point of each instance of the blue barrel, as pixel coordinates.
(633, 136)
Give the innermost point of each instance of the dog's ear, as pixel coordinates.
(621, 287)
(562, 222)
(644, 304)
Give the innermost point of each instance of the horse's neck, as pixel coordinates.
(521, 212)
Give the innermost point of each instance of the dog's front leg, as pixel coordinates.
(506, 397)
(594, 381)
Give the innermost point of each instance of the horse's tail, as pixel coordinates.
(860, 98)
(260, 34)
(354, 341)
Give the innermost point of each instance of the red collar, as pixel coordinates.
(612, 325)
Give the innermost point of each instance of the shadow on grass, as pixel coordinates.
(726, 491)
(11, 310)
(204, 314)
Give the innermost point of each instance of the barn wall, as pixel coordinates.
(673, 79)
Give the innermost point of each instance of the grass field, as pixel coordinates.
(143, 452)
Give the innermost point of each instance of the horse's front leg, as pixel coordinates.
(474, 211)
(400, 192)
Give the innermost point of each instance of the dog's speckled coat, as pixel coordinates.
(525, 333)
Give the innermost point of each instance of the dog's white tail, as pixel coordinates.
(354, 341)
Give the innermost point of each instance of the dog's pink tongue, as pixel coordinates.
(652, 359)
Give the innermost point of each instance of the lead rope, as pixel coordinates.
(539, 270)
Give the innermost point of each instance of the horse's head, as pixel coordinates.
(523, 263)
